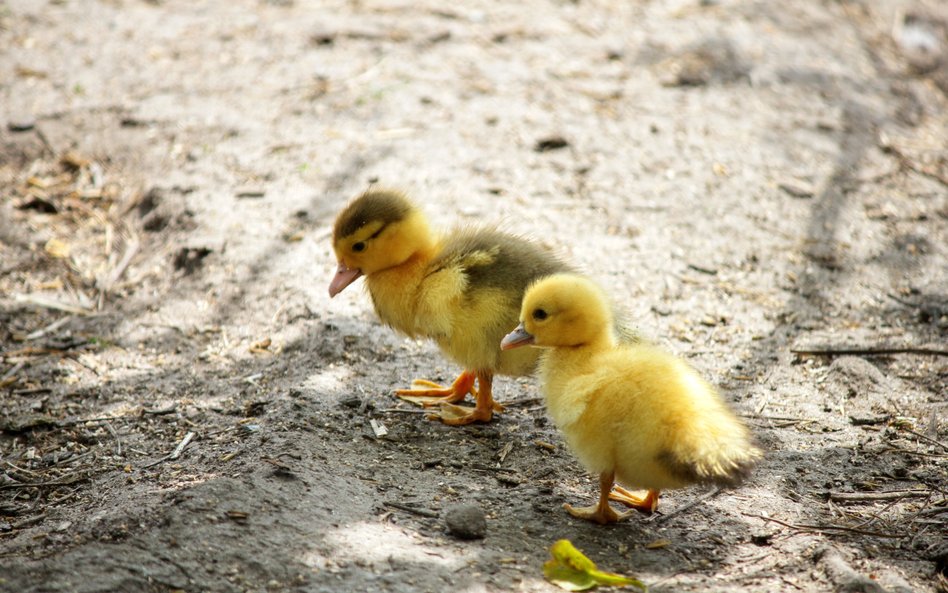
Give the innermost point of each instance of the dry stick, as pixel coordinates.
(412, 510)
(39, 301)
(174, 454)
(118, 441)
(44, 484)
(48, 329)
(184, 443)
(905, 161)
(682, 509)
(824, 528)
(871, 351)
(928, 439)
(46, 143)
(875, 496)
(404, 411)
(119, 269)
(936, 510)
(13, 370)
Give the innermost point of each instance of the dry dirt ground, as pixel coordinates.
(182, 408)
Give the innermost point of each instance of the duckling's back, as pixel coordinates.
(490, 271)
(667, 427)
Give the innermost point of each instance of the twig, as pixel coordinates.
(703, 269)
(523, 402)
(29, 521)
(902, 301)
(119, 269)
(936, 510)
(32, 391)
(48, 329)
(404, 411)
(46, 143)
(927, 439)
(184, 443)
(78, 421)
(13, 370)
(687, 507)
(824, 528)
(875, 496)
(174, 454)
(778, 418)
(412, 510)
(39, 301)
(869, 351)
(118, 441)
(908, 163)
(72, 479)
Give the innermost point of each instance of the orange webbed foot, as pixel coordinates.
(431, 394)
(646, 504)
(452, 415)
(600, 513)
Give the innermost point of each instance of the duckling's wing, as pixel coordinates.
(493, 259)
(482, 274)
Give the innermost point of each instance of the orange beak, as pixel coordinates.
(517, 338)
(343, 278)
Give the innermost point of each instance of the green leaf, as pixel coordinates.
(571, 570)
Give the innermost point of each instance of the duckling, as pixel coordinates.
(463, 290)
(631, 413)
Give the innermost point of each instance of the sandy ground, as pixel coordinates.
(182, 408)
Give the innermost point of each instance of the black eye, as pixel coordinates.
(539, 314)
(360, 246)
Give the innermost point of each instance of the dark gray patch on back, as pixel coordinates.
(516, 263)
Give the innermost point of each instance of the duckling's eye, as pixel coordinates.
(539, 314)
(360, 246)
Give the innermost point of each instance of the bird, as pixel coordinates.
(462, 289)
(630, 412)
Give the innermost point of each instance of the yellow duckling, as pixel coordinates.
(630, 412)
(462, 290)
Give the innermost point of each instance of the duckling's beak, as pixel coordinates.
(516, 338)
(343, 278)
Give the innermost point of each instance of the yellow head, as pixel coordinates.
(380, 229)
(561, 310)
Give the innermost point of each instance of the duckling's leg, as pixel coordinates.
(436, 394)
(646, 504)
(601, 513)
(484, 406)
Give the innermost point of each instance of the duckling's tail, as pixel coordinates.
(719, 451)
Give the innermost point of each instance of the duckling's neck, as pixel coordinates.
(573, 360)
(394, 290)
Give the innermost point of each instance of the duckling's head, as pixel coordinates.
(561, 310)
(380, 229)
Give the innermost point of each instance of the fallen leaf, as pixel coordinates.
(571, 570)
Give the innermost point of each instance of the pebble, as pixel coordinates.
(797, 188)
(466, 521)
(21, 125)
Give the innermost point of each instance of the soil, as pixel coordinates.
(764, 187)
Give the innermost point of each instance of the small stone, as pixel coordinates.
(550, 143)
(466, 521)
(797, 188)
(21, 125)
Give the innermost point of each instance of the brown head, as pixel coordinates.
(379, 230)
